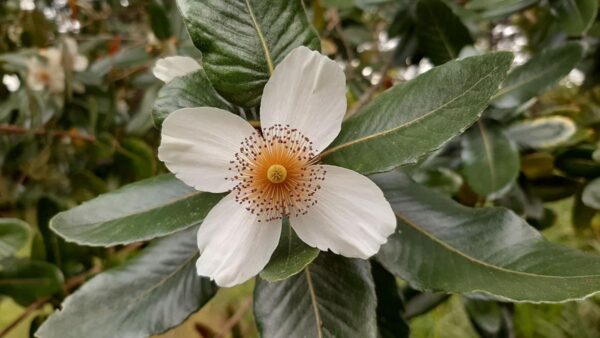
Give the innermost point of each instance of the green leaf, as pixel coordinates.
(26, 280)
(591, 194)
(148, 295)
(13, 236)
(490, 159)
(441, 33)
(581, 214)
(412, 119)
(442, 245)
(242, 41)
(191, 90)
(140, 211)
(421, 303)
(333, 297)
(390, 305)
(538, 74)
(578, 162)
(159, 22)
(290, 257)
(552, 188)
(486, 316)
(490, 9)
(576, 16)
(441, 179)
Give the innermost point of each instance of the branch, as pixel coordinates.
(74, 134)
(71, 283)
(236, 318)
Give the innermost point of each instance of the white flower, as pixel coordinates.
(80, 62)
(168, 68)
(50, 73)
(275, 174)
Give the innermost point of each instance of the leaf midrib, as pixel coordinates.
(132, 214)
(478, 261)
(489, 156)
(409, 123)
(446, 43)
(261, 38)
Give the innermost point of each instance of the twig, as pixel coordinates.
(29, 310)
(368, 94)
(11, 129)
(69, 285)
(236, 318)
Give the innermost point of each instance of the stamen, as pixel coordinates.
(276, 174)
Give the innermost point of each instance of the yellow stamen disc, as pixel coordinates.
(276, 173)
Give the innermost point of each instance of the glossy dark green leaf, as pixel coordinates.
(159, 22)
(421, 303)
(440, 179)
(485, 315)
(290, 256)
(150, 294)
(539, 73)
(489, 250)
(578, 162)
(13, 236)
(242, 40)
(412, 119)
(441, 33)
(139, 211)
(390, 305)
(26, 281)
(552, 188)
(333, 297)
(575, 16)
(542, 132)
(191, 90)
(490, 159)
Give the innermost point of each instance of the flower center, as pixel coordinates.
(276, 173)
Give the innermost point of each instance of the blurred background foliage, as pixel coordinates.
(77, 95)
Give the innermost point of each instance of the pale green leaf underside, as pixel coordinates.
(442, 245)
(13, 236)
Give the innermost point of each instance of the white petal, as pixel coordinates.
(198, 143)
(351, 217)
(168, 68)
(80, 63)
(234, 247)
(307, 91)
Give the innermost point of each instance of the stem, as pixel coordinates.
(235, 318)
(29, 310)
(69, 285)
